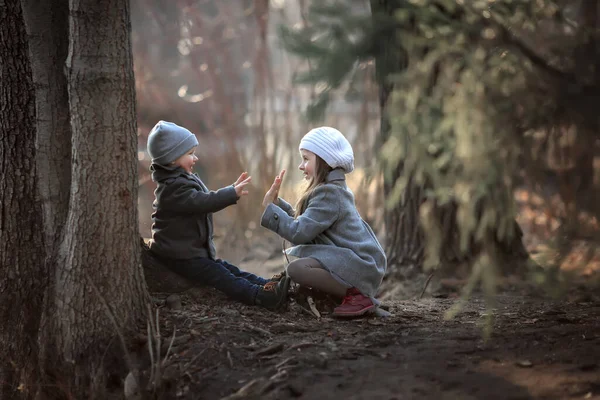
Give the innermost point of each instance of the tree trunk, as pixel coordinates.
(580, 181)
(22, 275)
(404, 237)
(47, 25)
(99, 281)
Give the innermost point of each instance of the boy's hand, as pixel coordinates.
(241, 182)
(273, 193)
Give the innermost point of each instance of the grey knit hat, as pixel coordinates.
(329, 144)
(168, 141)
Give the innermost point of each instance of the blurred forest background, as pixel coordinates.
(488, 118)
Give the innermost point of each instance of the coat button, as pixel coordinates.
(276, 216)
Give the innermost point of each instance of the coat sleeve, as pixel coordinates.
(321, 212)
(188, 198)
(285, 206)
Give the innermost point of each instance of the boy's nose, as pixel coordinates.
(301, 167)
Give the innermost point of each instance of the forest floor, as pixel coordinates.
(540, 347)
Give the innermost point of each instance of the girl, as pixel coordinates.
(337, 251)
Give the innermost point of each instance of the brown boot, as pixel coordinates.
(277, 277)
(273, 295)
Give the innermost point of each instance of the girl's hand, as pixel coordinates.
(241, 182)
(273, 193)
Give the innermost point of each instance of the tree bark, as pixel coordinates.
(404, 237)
(47, 27)
(579, 182)
(22, 275)
(99, 282)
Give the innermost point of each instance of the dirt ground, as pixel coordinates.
(540, 348)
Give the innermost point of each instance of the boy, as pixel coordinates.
(182, 224)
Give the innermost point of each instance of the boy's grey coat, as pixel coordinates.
(331, 231)
(182, 225)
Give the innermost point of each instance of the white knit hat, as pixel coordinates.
(329, 144)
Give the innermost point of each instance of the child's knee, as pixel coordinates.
(299, 271)
(293, 270)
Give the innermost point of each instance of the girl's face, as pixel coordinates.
(308, 165)
(187, 160)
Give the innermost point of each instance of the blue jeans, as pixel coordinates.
(227, 278)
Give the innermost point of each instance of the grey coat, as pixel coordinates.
(331, 231)
(182, 224)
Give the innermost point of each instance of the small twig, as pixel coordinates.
(274, 348)
(153, 348)
(157, 376)
(306, 310)
(170, 344)
(257, 329)
(288, 368)
(195, 358)
(380, 312)
(206, 319)
(246, 390)
(279, 377)
(284, 362)
(267, 387)
(301, 345)
(426, 283)
(150, 350)
(230, 359)
(284, 252)
(313, 307)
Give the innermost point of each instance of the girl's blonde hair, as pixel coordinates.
(321, 169)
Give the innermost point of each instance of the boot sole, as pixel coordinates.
(362, 312)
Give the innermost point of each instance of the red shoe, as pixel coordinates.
(354, 304)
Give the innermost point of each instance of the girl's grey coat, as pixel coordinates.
(331, 231)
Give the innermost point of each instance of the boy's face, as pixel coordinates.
(187, 160)
(308, 165)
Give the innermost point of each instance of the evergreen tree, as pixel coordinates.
(467, 88)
